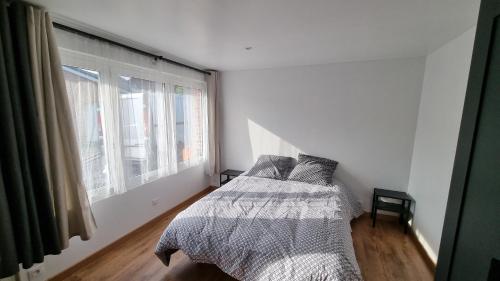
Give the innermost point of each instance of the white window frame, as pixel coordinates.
(109, 72)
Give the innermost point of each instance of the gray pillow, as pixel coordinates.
(272, 166)
(313, 170)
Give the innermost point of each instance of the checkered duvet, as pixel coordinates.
(264, 229)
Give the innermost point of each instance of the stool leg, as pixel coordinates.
(373, 206)
(401, 215)
(374, 199)
(374, 217)
(407, 216)
(406, 222)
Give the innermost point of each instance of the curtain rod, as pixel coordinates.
(156, 57)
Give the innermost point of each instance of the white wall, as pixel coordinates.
(362, 114)
(116, 216)
(440, 112)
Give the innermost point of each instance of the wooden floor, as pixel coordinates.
(383, 253)
(386, 253)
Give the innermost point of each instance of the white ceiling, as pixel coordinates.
(214, 33)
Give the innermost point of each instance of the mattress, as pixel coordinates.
(264, 229)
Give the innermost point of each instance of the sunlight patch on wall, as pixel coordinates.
(265, 142)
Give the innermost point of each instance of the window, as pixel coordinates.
(179, 124)
(188, 124)
(133, 129)
(82, 87)
(137, 112)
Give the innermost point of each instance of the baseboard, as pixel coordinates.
(64, 275)
(428, 261)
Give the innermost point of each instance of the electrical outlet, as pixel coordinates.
(155, 201)
(36, 273)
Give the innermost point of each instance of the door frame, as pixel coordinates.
(489, 9)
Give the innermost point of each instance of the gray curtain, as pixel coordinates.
(213, 88)
(43, 201)
(28, 229)
(59, 143)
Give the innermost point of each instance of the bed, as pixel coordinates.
(266, 229)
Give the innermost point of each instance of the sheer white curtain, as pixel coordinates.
(194, 124)
(110, 119)
(167, 154)
(136, 120)
(148, 143)
(83, 93)
(191, 126)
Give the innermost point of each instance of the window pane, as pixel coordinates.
(139, 125)
(189, 124)
(197, 107)
(83, 93)
(179, 123)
